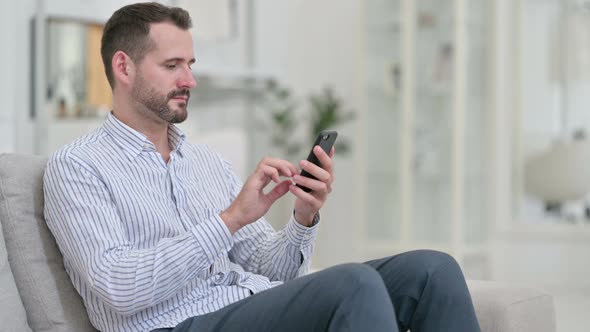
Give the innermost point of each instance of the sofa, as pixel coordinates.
(36, 293)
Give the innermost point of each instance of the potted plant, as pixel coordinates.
(292, 128)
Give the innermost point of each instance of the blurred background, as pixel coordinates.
(463, 124)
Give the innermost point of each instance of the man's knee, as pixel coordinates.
(438, 269)
(354, 275)
(427, 262)
(353, 297)
(342, 280)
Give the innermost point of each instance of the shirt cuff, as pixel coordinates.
(299, 235)
(214, 237)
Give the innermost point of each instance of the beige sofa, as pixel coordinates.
(36, 293)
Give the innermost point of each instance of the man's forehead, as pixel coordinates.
(171, 41)
(166, 30)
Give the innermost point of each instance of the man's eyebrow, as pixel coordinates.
(178, 59)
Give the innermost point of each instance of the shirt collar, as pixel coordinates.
(176, 138)
(135, 142)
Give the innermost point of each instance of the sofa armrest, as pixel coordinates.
(502, 307)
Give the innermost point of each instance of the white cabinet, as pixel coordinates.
(427, 94)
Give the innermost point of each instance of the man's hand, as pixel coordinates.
(308, 204)
(252, 203)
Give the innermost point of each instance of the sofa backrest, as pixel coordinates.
(12, 312)
(50, 301)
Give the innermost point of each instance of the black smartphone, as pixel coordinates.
(325, 140)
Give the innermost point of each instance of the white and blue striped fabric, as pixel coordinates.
(142, 240)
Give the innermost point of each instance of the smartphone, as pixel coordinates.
(325, 140)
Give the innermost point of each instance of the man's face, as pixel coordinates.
(164, 78)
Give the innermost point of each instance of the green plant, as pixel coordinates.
(282, 108)
(324, 111)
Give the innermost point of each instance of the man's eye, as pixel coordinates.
(171, 66)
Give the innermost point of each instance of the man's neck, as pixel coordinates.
(155, 129)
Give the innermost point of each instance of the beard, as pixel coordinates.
(157, 103)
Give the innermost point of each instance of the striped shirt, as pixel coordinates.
(142, 239)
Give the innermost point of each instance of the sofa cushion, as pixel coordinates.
(51, 302)
(502, 307)
(12, 312)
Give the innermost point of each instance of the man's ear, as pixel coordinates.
(123, 68)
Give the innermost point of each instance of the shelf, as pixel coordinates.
(550, 232)
(231, 73)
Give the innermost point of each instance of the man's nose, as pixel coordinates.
(188, 80)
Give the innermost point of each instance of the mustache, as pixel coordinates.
(179, 92)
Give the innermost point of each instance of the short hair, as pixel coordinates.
(128, 30)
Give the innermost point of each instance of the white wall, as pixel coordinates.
(16, 99)
(6, 87)
(311, 43)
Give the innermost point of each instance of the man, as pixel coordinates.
(159, 234)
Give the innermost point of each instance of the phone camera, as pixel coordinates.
(325, 136)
